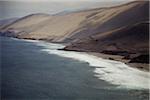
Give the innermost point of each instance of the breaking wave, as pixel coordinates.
(114, 72)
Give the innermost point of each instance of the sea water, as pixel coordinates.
(34, 70)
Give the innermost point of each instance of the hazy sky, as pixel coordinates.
(19, 8)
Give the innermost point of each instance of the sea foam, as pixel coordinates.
(114, 72)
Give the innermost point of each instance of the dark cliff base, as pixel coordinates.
(131, 43)
(140, 61)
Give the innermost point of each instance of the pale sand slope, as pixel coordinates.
(61, 27)
(126, 34)
(116, 29)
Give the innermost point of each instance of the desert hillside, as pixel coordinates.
(45, 27)
(112, 18)
(126, 34)
(121, 30)
(131, 39)
(75, 25)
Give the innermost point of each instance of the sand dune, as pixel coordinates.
(119, 30)
(75, 25)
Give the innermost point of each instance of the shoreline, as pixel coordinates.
(114, 72)
(139, 66)
(79, 72)
(111, 71)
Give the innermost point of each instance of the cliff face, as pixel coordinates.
(109, 19)
(124, 34)
(130, 39)
(120, 30)
(40, 26)
(76, 25)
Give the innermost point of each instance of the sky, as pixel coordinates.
(20, 8)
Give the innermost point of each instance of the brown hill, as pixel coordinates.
(108, 19)
(121, 30)
(46, 27)
(77, 25)
(125, 33)
(130, 39)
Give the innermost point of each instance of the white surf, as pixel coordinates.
(114, 72)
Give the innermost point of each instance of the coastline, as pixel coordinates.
(95, 51)
(140, 66)
(114, 72)
(88, 68)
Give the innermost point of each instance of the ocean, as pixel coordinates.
(36, 70)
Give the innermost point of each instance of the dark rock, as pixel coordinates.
(122, 53)
(126, 57)
(111, 58)
(140, 59)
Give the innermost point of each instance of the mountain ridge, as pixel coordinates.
(120, 30)
(82, 19)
